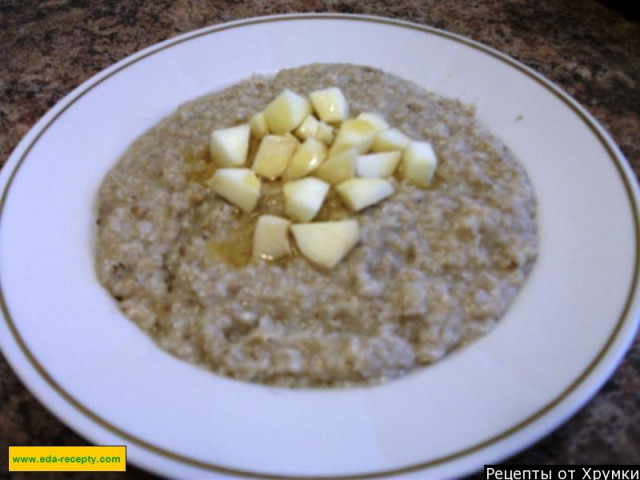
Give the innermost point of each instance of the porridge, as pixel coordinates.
(433, 267)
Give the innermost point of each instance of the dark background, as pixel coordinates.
(590, 48)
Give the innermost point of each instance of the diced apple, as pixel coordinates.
(326, 243)
(378, 165)
(374, 119)
(307, 158)
(229, 146)
(291, 137)
(330, 104)
(353, 133)
(388, 140)
(286, 112)
(308, 128)
(360, 193)
(258, 124)
(239, 186)
(273, 155)
(338, 168)
(304, 198)
(325, 133)
(419, 163)
(271, 237)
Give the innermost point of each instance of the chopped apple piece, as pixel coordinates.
(308, 128)
(273, 155)
(258, 124)
(304, 198)
(359, 193)
(388, 140)
(378, 165)
(229, 146)
(326, 243)
(419, 163)
(325, 133)
(239, 186)
(330, 104)
(271, 237)
(286, 112)
(374, 119)
(306, 159)
(338, 168)
(291, 137)
(353, 133)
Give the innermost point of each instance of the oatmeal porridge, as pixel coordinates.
(434, 268)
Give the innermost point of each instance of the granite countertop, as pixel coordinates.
(590, 48)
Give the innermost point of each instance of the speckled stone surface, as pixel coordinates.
(588, 48)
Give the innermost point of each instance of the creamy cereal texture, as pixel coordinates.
(435, 267)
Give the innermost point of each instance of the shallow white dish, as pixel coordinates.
(101, 375)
